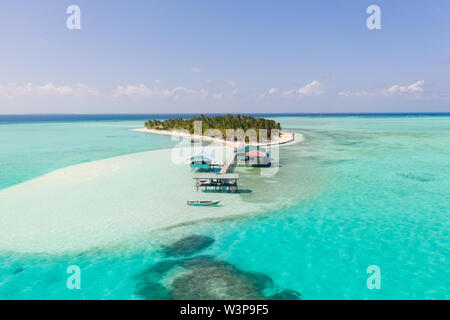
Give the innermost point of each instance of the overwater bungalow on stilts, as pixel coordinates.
(203, 161)
(251, 155)
(217, 181)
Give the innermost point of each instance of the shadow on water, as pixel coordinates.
(226, 191)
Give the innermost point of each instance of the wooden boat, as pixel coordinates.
(203, 202)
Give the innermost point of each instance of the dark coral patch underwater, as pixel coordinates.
(204, 278)
(416, 177)
(188, 245)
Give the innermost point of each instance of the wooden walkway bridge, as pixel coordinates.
(227, 166)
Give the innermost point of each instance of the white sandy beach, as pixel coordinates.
(285, 137)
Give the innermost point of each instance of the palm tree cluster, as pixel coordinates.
(221, 123)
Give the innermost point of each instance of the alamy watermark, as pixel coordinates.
(74, 280)
(374, 280)
(374, 20)
(263, 143)
(73, 22)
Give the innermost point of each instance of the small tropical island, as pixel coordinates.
(215, 122)
(221, 124)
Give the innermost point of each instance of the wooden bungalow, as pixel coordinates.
(252, 155)
(216, 181)
(203, 160)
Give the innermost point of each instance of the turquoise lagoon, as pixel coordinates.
(358, 191)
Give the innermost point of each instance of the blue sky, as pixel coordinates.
(224, 56)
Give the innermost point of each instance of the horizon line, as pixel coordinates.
(226, 113)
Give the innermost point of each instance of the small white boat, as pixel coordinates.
(203, 202)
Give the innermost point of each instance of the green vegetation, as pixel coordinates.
(221, 123)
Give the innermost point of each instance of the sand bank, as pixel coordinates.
(107, 202)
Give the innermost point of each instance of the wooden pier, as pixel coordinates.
(227, 166)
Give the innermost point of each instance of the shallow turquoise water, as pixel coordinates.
(31, 149)
(384, 201)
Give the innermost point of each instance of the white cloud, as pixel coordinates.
(313, 88)
(13, 90)
(272, 91)
(355, 94)
(157, 81)
(416, 87)
(232, 83)
(142, 91)
(196, 70)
